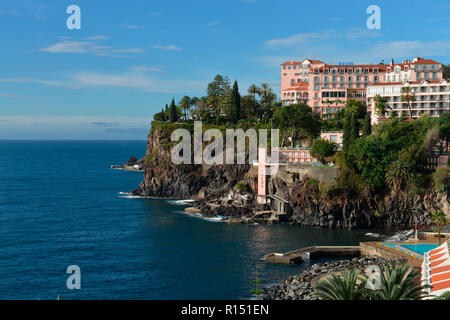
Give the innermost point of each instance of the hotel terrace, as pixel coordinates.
(326, 88)
(430, 97)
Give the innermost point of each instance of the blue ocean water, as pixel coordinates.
(61, 205)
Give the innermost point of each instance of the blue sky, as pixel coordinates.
(130, 58)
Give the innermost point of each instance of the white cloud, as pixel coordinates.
(135, 80)
(129, 26)
(304, 38)
(149, 69)
(333, 52)
(98, 37)
(89, 47)
(169, 47)
(211, 24)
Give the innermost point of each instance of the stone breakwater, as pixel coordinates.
(300, 287)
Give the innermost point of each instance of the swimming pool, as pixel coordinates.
(417, 250)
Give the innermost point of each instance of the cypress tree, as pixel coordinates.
(173, 111)
(367, 126)
(354, 127)
(236, 103)
(347, 136)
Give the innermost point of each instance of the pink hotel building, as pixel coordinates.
(326, 88)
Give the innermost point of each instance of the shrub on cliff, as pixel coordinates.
(322, 149)
(440, 179)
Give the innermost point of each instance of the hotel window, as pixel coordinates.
(350, 71)
(334, 79)
(284, 74)
(325, 71)
(358, 79)
(394, 78)
(333, 138)
(341, 71)
(325, 79)
(294, 67)
(434, 75)
(427, 76)
(342, 86)
(350, 79)
(366, 79)
(375, 71)
(418, 75)
(366, 71)
(342, 79)
(289, 67)
(358, 85)
(284, 67)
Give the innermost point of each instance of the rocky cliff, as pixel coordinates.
(315, 208)
(310, 204)
(163, 179)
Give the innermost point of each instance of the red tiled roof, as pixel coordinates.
(297, 62)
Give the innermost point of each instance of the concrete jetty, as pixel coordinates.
(315, 252)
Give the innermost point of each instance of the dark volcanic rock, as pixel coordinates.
(300, 287)
(163, 179)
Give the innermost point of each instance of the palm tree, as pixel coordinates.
(185, 105)
(267, 94)
(440, 219)
(351, 286)
(408, 97)
(381, 104)
(399, 282)
(254, 90)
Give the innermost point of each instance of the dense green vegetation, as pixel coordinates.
(395, 155)
(392, 154)
(446, 71)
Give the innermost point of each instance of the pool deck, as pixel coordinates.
(379, 250)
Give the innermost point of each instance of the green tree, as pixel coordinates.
(446, 71)
(444, 128)
(254, 90)
(160, 116)
(185, 105)
(322, 149)
(440, 219)
(381, 105)
(236, 103)
(296, 121)
(367, 126)
(350, 286)
(257, 292)
(399, 282)
(173, 111)
(351, 128)
(408, 97)
(250, 108)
